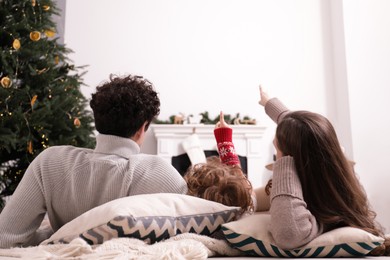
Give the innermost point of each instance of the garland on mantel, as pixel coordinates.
(204, 118)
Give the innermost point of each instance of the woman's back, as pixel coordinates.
(315, 188)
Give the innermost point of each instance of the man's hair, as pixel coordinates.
(123, 104)
(221, 183)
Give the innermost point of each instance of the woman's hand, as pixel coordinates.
(263, 96)
(221, 123)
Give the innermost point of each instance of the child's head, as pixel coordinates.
(219, 182)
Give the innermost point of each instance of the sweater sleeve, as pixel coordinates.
(24, 212)
(275, 109)
(292, 224)
(226, 151)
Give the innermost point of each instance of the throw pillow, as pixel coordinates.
(250, 235)
(149, 217)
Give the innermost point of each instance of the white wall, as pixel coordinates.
(368, 72)
(211, 55)
(206, 55)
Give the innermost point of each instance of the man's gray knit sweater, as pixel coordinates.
(66, 181)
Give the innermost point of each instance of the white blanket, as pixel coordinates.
(183, 246)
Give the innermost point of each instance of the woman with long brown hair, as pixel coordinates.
(314, 187)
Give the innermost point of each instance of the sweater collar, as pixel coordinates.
(111, 144)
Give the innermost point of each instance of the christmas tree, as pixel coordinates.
(41, 104)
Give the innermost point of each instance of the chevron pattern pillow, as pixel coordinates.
(149, 217)
(250, 235)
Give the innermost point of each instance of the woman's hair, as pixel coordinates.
(219, 182)
(330, 186)
(122, 105)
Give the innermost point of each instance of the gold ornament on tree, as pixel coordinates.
(30, 147)
(76, 122)
(33, 100)
(16, 44)
(35, 36)
(50, 33)
(6, 82)
(46, 8)
(33, 2)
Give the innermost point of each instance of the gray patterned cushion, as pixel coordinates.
(250, 234)
(150, 217)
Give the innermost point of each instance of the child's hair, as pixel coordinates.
(221, 183)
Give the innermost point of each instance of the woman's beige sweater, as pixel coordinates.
(292, 224)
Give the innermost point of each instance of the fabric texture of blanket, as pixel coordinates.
(183, 246)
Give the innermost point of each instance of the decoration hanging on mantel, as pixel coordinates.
(204, 118)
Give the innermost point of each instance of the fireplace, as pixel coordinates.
(246, 138)
(182, 162)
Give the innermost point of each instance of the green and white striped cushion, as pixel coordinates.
(250, 235)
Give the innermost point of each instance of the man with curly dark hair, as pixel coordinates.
(66, 181)
(124, 106)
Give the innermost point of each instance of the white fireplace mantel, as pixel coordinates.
(246, 138)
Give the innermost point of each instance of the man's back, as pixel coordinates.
(73, 180)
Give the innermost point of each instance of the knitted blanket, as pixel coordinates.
(183, 246)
